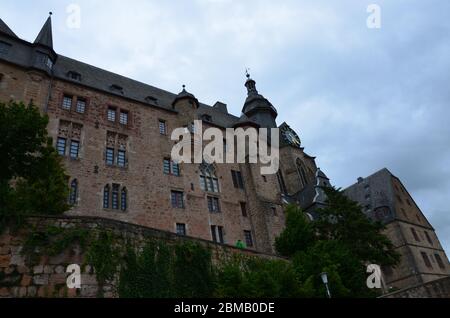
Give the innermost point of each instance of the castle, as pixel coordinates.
(114, 135)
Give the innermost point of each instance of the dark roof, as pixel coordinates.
(64, 68)
(184, 94)
(256, 101)
(45, 37)
(5, 29)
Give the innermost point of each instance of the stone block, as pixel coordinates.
(32, 291)
(5, 260)
(40, 279)
(39, 269)
(26, 280)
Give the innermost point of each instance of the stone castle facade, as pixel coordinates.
(114, 135)
(384, 198)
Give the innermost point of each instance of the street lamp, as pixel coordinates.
(325, 281)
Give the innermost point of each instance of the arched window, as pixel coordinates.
(281, 182)
(73, 194)
(302, 173)
(106, 196)
(123, 199)
(208, 180)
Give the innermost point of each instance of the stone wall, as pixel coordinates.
(439, 288)
(47, 278)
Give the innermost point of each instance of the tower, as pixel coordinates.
(257, 108)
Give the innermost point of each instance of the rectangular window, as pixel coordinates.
(213, 233)
(170, 167)
(67, 102)
(439, 261)
(217, 234)
(4, 47)
(74, 149)
(177, 199)
(81, 106)
(121, 155)
(274, 211)
(215, 183)
(416, 237)
(109, 156)
(213, 205)
(426, 260)
(248, 238)
(123, 119)
(175, 169)
(181, 229)
(166, 166)
(112, 114)
(115, 197)
(203, 183)
(428, 238)
(237, 179)
(61, 146)
(162, 127)
(221, 236)
(243, 209)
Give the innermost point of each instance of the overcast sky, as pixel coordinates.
(361, 99)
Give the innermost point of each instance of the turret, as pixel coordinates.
(44, 57)
(257, 108)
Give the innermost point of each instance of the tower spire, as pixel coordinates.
(5, 29)
(256, 107)
(250, 84)
(45, 36)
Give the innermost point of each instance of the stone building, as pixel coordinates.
(384, 198)
(114, 134)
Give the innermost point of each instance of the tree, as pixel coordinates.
(32, 179)
(343, 220)
(340, 241)
(298, 234)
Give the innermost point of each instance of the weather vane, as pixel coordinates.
(247, 70)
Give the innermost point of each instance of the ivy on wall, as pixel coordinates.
(158, 269)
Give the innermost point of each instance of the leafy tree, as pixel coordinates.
(32, 179)
(340, 241)
(298, 234)
(342, 220)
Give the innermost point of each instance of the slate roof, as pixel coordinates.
(45, 36)
(5, 29)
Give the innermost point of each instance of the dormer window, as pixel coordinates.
(49, 63)
(116, 88)
(44, 60)
(4, 47)
(151, 100)
(206, 118)
(74, 76)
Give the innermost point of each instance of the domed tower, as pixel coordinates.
(257, 108)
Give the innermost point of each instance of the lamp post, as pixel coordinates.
(324, 277)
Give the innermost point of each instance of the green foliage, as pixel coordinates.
(104, 256)
(32, 179)
(149, 274)
(251, 277)
(162, 271)
(52, 241)
(343, 220)
(340, 241)
(298, 234)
